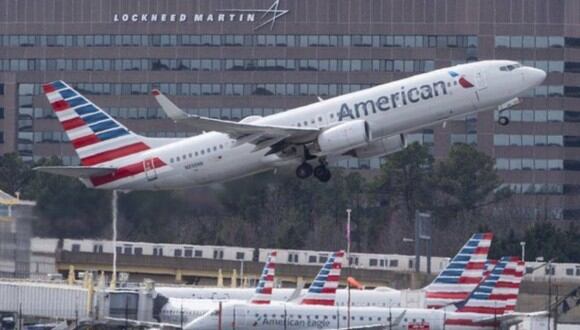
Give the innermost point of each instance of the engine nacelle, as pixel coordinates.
(382, 147)
(344, 137)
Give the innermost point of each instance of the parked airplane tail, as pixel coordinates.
(263, 294)
(96, 137)
(498, 293)
(322, 291)
(461, 275)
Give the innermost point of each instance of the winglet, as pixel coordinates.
(171, 110)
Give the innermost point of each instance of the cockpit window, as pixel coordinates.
(510, 67)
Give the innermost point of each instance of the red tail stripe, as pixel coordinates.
(475, 266)
(260, 302)
(469, 280)
(60, 105)
(333, 278)
(114, 154)
(499, 296)
(84, 141)
(48, 88)
(73, 123)
(448, 295)
(266, 290)
(481, 250)
(482, 310)
(329, 302)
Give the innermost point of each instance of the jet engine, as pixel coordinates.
(382, 147)
(343, 137)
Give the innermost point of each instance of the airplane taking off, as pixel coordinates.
(489, 306)
(368, 123)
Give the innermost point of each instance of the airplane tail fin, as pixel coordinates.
(96, 137)
(498, 293)
(263, 294)
(461, 275)
(322, 291)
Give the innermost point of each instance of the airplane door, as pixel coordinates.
(150, 170)
(480, 80)
(239, 317)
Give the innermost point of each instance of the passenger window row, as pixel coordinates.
(198, 153)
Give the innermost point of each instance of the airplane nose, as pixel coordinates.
(535, 76)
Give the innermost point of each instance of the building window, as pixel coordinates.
(158, 251)
(240, 255)
(1, 137)
(98, 248)
(189, 253)
(218, 254)
(76, 248)
(1, 89)
(1, 113)
(177, 253)
(138, 251)
(312, 259)
(198, 253)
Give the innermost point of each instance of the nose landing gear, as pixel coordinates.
(503, 120)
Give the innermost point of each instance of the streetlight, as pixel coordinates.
(523, 245)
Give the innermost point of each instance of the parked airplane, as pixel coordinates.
(491, 303)
(453, 284)
(367, 123)
(180, 311)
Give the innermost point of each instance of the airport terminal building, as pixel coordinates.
(231, 59)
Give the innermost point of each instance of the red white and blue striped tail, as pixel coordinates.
(263, 294)
(462, 275)
(498, 293)
(322, 291)
(96, 137)
(495, 296)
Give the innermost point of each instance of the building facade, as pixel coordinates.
(15, 235)
(231, 59)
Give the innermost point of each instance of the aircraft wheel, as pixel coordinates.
(304, 170)
(322, 173)
(503, 120)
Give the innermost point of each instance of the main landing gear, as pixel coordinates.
(321, 172)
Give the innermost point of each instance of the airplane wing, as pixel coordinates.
(76, 171)
(261, 135)
(508, 319)
(121, 321)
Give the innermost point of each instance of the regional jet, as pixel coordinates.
(489, 306)
(459, 278)
(367, 123)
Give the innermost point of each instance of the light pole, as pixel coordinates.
(348, 211)
(523, 245)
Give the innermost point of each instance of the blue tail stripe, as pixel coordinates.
(67, 93)
(103, 126)
(91, 119)
(86, 110)
(112, 134)
(76, 102)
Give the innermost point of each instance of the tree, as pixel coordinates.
(465, 182)
(405, 179)
(14, 173)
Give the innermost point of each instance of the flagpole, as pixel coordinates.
(348, 264)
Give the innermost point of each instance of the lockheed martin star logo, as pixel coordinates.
(269, 16)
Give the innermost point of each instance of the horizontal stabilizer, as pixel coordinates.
(76, 171)
(171, 110)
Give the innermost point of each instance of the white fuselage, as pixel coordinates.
(285, 316)
(374, 298)
(389, 109)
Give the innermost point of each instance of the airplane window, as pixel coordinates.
(177, 158)
(196, 154)
(256, 315)
(510, 67)
(320, 119)
(171, 160)
(208, 150)
(332, 116)
(221, 146)
(273, 316)
(214, 148)
(312, 121)
(298, 125)
(316, 317)
(190, 155)
(203, 152)
(184, 157)
(362, 318)
(305, 123)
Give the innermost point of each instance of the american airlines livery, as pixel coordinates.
(368, 123)
(489, 305)
(453, 284)
(179, 311)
